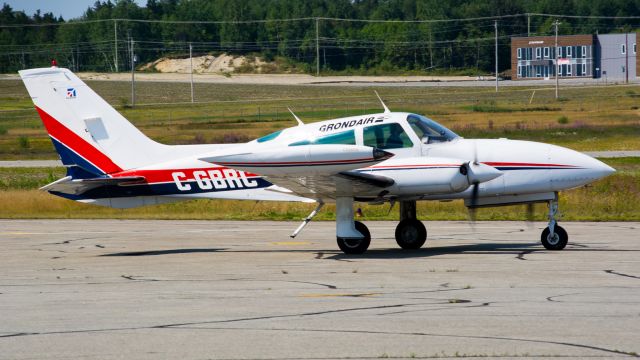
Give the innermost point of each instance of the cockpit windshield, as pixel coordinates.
(430, 131)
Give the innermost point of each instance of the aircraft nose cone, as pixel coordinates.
(600, 169)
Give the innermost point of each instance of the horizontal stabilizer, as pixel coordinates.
(68, 185)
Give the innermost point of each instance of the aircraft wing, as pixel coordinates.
(330, 186)
(313, 171)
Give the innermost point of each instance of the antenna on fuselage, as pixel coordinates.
(300, 123)
(386, 109)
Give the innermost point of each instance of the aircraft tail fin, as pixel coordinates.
(90, 136)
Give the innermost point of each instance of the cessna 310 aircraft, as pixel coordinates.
(390, 157)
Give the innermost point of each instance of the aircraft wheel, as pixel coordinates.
(557, 241)
(356, 246)
(411, 234)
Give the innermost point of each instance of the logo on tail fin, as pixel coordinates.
(71, 93)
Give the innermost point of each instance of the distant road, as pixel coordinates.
(306, 79)
(56, 163)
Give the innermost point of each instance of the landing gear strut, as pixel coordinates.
(554, 237)
(410, 232)
(353, 237)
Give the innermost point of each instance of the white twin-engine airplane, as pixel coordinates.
(377, 158)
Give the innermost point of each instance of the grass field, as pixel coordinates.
(614, 198)
(596, 118)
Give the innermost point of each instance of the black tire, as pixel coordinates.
(356, 246)
(557, 242)
(411, 234)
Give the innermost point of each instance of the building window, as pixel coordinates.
(519, 70)
(546, 53)
(623, 49)
(568, 51)
(584, 69)
(569, 70)
(634, 48)
(519, 53)
(559, 50)
(584, 51)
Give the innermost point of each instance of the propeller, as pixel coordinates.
(477, 173)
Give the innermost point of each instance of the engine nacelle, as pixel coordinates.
(431, 176)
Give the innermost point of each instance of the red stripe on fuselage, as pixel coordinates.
(284, 163)
(77, 144)
(411, 166)
(525, 164)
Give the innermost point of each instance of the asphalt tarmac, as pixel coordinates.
(109, 289)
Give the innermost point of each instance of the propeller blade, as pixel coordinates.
(530, 212)
(474, 201)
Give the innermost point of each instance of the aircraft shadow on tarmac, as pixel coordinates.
(162, 252)
(484, 248)
(519, 250)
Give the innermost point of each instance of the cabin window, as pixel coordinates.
(345, 138)
(386, 136)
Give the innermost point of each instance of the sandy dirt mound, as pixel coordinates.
(205, 64)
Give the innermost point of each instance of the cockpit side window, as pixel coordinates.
(345, 138)
(386, 136)
(428, 130)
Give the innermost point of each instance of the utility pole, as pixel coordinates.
(557, 66)
(115, 43)
(528, 24)
(191, 61)
(626, 58)
(496, 26)
(317, 49)
(133, 77)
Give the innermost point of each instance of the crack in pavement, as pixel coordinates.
(621, 274)
(523, 253)
(373, 332)
(441, 308)
(177, 325)
(551, 298)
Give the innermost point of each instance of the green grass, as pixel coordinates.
(615, 198)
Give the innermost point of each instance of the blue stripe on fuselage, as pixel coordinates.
(115, 191)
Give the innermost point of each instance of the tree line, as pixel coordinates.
(316, 31)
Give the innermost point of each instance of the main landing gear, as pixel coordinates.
(554, 237)
(353, 237)
(410, 232)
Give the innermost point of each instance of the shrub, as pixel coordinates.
(24, 142)
(563, 120)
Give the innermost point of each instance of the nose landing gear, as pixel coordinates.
(554, 237)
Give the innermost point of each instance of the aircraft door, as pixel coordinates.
(391, 137)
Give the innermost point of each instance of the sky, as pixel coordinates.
(68, 9)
